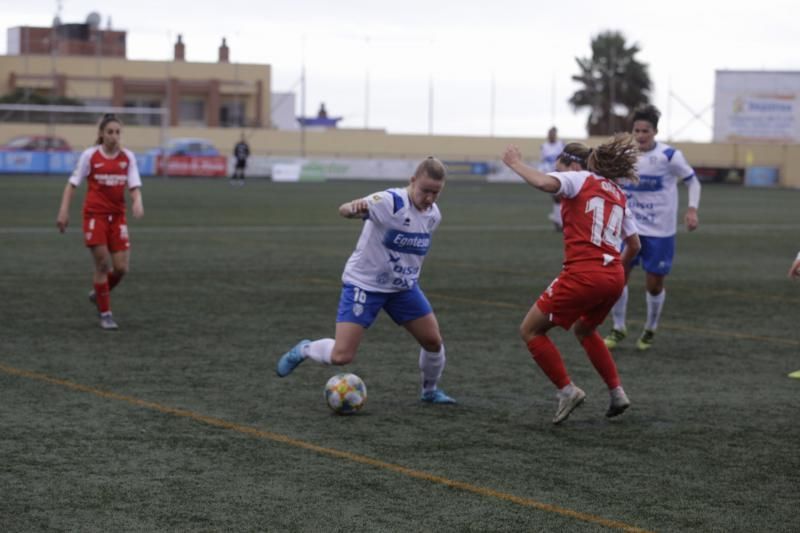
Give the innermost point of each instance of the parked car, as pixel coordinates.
(36, 143)
(187, 146)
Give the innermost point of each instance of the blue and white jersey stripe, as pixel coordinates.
(654, 200)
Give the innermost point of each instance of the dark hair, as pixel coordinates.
(648, 113)
(616, 158)
(105, 120)
(433, 168)
(575, 153)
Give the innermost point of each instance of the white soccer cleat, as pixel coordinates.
(619, 403)
(567, 403)
(107, 322)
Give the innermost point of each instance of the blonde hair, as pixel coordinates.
(616, 158)
(431, 167)
(105, 121)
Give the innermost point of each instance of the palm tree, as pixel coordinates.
(614, 84)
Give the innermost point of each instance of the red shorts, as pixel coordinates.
(108, 230)
(586, 295)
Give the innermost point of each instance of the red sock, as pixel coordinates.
(101, 292)
(113, 279)
(546, 355)
(601, 358)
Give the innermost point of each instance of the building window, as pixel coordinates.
(231, 114)
(142, 119)
(192, 112)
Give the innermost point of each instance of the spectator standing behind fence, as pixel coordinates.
(241, 152)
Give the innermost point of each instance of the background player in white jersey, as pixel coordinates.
(383, 273)
(547, 163)
(654, 203)
(108, 169)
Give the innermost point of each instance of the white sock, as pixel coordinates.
(431, 366)
(654, 306)
(620, 309)
(567, 389)
(319, 350)
(617, 393)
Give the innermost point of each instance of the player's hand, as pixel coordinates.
(358, 207)
(512, 156)
(691, 219)
(62, 222)
(138, 210)
(794, 272)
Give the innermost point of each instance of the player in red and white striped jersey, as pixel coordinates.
(596, 222)
(109, 169)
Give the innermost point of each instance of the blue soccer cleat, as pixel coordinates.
(436, 396)
(289, 361)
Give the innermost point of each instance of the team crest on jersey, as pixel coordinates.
(383, 278)
(123, 165)
(376, 198)
(431, 223)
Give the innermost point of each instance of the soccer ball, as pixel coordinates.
(345, 394)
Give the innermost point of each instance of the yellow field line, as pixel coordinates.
(332, 452)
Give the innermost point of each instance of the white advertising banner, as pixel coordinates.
(757, 106)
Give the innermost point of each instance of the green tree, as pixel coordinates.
(614, 84)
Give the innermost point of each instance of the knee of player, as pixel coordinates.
(526, 332)
(434, 344)
(342, 357)
(121, 270)
(103, 266)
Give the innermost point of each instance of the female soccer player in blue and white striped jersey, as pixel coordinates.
(383, 273)
(654, 203)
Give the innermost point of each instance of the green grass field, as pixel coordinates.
(177, 422)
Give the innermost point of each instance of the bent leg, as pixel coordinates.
(120, 262)
(348, 338)
(655, 300)
(598, 353)
(432, 358)
(533, 331)
(102, 266)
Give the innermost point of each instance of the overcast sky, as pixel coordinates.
(499, 67)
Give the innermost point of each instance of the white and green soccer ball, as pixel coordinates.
(345, 393)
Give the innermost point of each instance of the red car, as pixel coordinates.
(36, 143)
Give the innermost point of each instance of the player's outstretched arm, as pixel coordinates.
(794, 271)
(512, 157)
(358, 208)
(138, 205)
(62, 220)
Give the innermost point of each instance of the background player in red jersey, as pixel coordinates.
(109, 169)
(596, 221)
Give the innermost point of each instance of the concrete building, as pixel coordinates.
(88, 64)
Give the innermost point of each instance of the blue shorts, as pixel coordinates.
(656, 254)
(362, 307)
